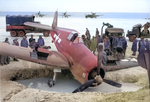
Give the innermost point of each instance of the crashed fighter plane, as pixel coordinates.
(72, 54)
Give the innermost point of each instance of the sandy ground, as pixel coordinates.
(11, 91)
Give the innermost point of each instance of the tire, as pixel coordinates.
(21, 33)
(13, 33)
(46, 33)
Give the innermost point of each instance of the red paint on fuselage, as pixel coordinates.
(81, 59)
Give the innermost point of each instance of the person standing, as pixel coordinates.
(30, 40)
(16, 43)
(84, 40)
(34, 45)
(41, 41)
(6, 41)
(147, 44)
(5, 59)
(99, 40)
(146, 26)
(134, 46)
(119, 48)
(141, 44)
(124, 46)
(97, 33)
(114, 44)
(24, 42)
(107, 46)
(87, 33)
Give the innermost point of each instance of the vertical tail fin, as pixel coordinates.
(54, 25)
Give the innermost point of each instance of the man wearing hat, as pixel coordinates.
(15, 42)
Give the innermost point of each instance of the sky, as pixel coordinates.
(139, 6)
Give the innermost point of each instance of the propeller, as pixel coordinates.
(110, 82)
(84, 86)
(100, 57)
(97, 79)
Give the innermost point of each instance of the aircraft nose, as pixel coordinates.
(98, 79)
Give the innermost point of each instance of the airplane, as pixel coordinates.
(93, 15)
(39, 14)
(72, 54)
(65, 15)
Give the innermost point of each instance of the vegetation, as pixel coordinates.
(142, 95)
(65, 74)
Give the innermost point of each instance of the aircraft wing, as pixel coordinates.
(42, 56)
(38, 25)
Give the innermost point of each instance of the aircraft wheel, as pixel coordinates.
(13, 33)
(51, 83)
(21, 33)
(46, 33)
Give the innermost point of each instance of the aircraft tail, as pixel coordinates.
(54, 24)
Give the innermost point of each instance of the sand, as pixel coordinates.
(12, 91)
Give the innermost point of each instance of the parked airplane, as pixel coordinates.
(72, 54)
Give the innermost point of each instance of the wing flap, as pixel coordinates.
(38, 25)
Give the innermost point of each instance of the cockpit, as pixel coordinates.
(75, 38)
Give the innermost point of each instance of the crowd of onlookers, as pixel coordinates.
(140, 45)
(114, 44)
(24, 43)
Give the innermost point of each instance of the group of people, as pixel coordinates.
(91, 43)
(115, 45)
(140, 46)
(24, 43)
(112, 43)
(32, 43)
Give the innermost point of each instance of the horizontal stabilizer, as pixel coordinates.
(38, 25)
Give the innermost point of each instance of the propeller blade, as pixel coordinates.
(112, 83)
(84, 86)
(100, 57)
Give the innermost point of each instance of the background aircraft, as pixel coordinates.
(39, 14)
(65, 15)
(72, 54)
(93, 15)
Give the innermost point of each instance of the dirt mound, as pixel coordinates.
(14, 92)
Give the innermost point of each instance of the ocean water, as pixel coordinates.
(78, 21)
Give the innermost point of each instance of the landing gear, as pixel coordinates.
(51, 82)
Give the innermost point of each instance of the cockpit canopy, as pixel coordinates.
(74, 37)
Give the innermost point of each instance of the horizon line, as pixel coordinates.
(76, 11)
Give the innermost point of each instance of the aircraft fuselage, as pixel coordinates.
(80, 58)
